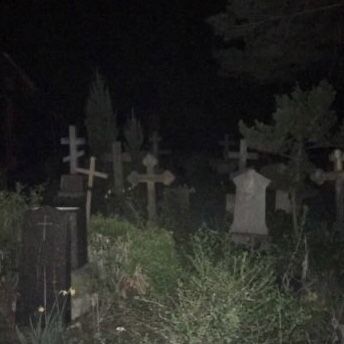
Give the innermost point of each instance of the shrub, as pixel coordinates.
(128, 255)
(232, 299)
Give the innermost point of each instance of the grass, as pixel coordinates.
(170, 285)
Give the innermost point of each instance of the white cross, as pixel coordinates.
(73, 141)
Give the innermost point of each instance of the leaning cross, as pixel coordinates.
(319, 176)
(243, 155)
(91, 174)
(151, 179)
(73, 141)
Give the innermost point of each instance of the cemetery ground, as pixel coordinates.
(182, 279)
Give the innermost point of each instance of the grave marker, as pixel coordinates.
(155, 139)
(91, 173)
(243, 155)
(150, 178)
(249, 209)
(44, 268)
(225, 143)
(179, 197)
(319, 176)
(73, 142)
(282, 201)
(71, 186)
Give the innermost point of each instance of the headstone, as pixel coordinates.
(71, 186)
(73, 142)
(319, 176)
(243, 155)
(155, 140)
(178, 197)
(282, 201)
(78, 235)
(91, 173)
(150, 178)
(230, 202)
(249, 210)
(225, 143)
(44, 268)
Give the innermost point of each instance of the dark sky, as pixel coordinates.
(156, 55)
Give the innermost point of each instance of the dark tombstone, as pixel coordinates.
(45, 263)
(76, 218)
(71, 186)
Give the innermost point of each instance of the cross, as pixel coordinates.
(73, 141)
(45, 223)
(91, 173)
(243, 155)
(319, 176)
(118, 157)
(150, 178)
(225, 143)
(155, 139)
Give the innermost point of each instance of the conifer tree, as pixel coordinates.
(100, 119)
(302, 121)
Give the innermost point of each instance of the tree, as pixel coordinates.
(100, 119)
(302, 121)
(274, 40)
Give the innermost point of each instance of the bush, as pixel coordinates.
(131, 258)
(233, 299)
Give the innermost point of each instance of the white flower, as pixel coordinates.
(72, 291)
(120, 329)
(64, 292)
(41, 309)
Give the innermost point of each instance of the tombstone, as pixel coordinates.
(178, 197)
(91, 173)
(319, 176)
(78, 235)
(243, 155)
(230, 202)
(249, 209)
(73, 142)
(155, 140)
(282, 201)
(71, 186)
(44, 268)
(225, 143)
(150, 178)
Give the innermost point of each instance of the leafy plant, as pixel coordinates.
(128, 255)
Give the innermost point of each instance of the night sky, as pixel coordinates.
(156, 56)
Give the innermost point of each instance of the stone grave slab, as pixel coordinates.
(71, 186)
(249, 209)
(45, 265)
(282, 201)
(337, 175)
(178, 197)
